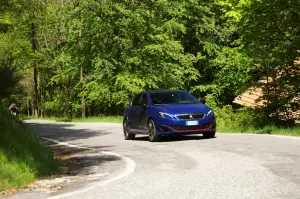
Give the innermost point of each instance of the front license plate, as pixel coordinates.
(191, 123)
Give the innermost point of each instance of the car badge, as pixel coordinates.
(191, 117)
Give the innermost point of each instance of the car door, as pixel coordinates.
(142, 113)
(133, 113)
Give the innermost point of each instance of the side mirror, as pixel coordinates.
(145, 105)
(203, 101)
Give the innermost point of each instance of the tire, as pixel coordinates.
(209, 135)
(127, 134)
(153, 136)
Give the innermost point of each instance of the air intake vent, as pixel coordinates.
(194, 116)
(186, 128)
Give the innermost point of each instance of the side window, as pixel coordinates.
(136, 100)
(144, 100)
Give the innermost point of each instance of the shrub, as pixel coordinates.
(242, 119)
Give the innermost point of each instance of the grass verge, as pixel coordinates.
(254, 121)
(108, 119)
(56, 119)
(272, 130)
(23, 158)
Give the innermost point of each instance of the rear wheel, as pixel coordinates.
(153, 136)
(209, 134)
(127, 134)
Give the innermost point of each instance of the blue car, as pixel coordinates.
(163, 113)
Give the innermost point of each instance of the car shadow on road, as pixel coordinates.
(174, 138)
(64, 132)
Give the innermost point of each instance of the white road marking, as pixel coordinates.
(286, 136)
(130, 167)
(97, 176)
(66, 144)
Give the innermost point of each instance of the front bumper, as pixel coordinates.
(168, 126)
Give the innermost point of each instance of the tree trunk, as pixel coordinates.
(83, 108)
(68, 89)
(36, 93)
(35, 74)
(39, 97)
(28, 107)
(32, 109)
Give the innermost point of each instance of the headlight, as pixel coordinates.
(210, 113)
(164, 115)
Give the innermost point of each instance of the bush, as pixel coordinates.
(243, 119)
(22, 157)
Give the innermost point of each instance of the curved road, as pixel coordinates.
(229, 166)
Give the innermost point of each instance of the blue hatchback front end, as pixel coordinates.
(170, 112)
(184, 119)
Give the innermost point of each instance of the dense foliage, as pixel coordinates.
(88, 57)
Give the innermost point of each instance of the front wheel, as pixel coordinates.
(153, 136)
(209, 134)
(127, 134)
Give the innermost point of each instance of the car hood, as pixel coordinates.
(183, 108)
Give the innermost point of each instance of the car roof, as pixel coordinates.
(165, 91)
(159, 91)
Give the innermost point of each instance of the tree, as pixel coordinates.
(270, 30)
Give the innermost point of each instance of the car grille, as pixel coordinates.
(191, 116)
(189, 128)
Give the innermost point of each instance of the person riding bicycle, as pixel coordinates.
(13, 109)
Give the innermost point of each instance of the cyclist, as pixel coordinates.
(13, 109)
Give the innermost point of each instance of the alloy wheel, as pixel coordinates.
(127, 134)
(153, 136)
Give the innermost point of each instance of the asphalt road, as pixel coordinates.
(228, 166)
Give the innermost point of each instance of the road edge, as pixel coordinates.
(130, 168)
(266, 135)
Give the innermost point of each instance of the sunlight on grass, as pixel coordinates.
(106, 119)
(110, 119)
(23, 158)
(272, 130)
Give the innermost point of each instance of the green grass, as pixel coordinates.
(57, 119)
(272, 130)
(23, 158)
(108, 119)
(252, 121)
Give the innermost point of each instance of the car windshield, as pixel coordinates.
(162, 98)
